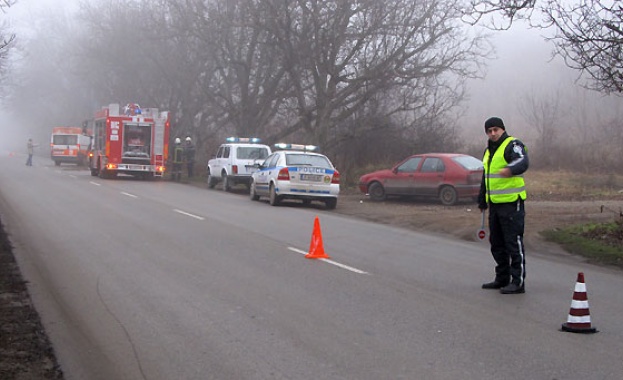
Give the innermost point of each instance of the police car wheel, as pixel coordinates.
(331, 203)
(252, 194)
(274, 199)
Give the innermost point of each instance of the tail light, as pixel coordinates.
(336, 178)
(234, 169)
(474, 177)
(284, 175)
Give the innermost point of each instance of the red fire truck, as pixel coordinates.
(129, 140)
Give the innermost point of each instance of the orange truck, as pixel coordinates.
(69, 145)
(129, 140)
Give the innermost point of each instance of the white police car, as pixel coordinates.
(296, 172)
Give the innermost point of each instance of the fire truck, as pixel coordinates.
(69, 145)
(129, 140)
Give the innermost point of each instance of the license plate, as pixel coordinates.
(311, 177)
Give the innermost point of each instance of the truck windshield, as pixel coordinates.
(64, 139)
(137, 141)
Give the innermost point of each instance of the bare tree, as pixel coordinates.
(544, 114)
(343, 55)
(6, 39)
(588, 34)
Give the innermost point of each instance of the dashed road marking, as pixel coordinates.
(343, 266)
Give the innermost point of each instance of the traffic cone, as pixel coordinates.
(316, 248)
(579, 320)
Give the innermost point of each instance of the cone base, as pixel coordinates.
(588, 330)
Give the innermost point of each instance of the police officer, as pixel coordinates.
(503, 192)
(178, 160)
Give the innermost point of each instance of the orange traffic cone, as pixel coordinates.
(316, 248)
(579, 320)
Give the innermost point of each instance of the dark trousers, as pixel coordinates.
(29, 160)
(506, 224)
(176, 173)
(190, 166)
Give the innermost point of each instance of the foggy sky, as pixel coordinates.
(522, 66)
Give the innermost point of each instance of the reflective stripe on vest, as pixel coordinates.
(501, 189)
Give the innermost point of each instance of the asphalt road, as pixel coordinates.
(157, 280)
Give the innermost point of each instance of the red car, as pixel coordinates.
(445, 176)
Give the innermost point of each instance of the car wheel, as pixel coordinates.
(274, 199)
(252, 193)
(376, 191)
(331, 203)
(211, 180)
(448, 196)
(226, 183)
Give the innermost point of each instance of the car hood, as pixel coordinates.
(379, 173)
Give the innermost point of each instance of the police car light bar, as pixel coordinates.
(305, 148)
(243, 139)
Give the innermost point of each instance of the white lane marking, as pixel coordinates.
(72, 176)
(95, 183)
(129, 195)
(188, 214)
(331, 262)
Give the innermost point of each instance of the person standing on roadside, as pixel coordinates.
(178, 160)
(503, 192)
(189, 156)
(30, 146)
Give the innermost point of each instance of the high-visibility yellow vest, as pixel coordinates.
(500, 189)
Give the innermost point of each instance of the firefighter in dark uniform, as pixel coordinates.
(178, 160)
(503, 192)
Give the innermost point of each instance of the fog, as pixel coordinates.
(522, 68)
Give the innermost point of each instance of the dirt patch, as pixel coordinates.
(25, 350)
(464, 219)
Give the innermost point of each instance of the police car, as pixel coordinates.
(235, 161)
(296, 172)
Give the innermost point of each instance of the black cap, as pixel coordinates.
(494, 122)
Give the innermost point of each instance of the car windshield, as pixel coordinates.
(252, 153)
(307, 160)
(468, 162)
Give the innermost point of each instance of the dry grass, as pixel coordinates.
(568, 186)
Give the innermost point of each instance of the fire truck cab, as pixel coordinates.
(129, 140)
